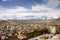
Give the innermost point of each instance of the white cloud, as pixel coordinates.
(53, 3)
(39, 7)
(21, 11)
(16, 10)
(7, 0)
(4, 0)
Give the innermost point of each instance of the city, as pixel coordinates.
(28, 29)
(29, 19)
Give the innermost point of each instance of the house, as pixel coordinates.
(54, 29)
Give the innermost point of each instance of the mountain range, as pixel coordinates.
(26, 18)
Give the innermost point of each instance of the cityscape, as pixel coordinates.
(29, 19)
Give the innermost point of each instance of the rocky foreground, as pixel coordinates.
(47, 37)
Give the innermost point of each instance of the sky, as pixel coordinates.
(20, 8)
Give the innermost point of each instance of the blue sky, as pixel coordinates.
(30, 7)
(28, 3)
(24, 3)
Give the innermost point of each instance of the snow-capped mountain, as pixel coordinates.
(30, 17)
